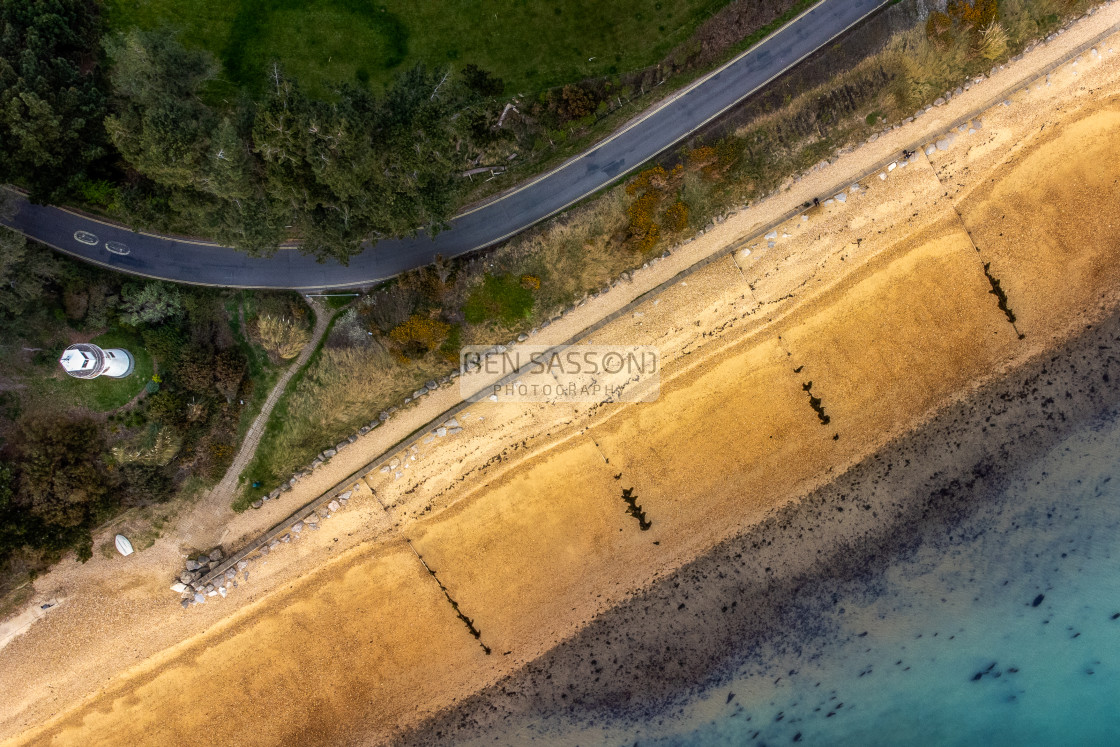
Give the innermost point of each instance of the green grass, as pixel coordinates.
(500, 298)
(531, 44)
(102, 394)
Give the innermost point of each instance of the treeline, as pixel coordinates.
(132, 123)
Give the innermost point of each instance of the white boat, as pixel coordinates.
(124, 547)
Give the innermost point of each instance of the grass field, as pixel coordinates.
(102, 394)
(531, 44)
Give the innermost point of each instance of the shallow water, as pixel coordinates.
(1007, 634)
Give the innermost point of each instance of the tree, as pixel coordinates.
(62, 480)
(25, 270)
(52, 101)
(151, 303)
(159, 124)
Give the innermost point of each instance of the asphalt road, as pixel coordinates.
(670, 122)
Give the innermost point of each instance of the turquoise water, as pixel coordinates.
(1007, 634)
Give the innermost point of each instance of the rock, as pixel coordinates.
(275, 494)
(316, 463)
(522, 337)
(186, 578)
(265, 550)
(841, 197)
(977, 125)
(178, 587)
(892, 167)
(383, 416)
(334, 505)
(213, 593)
(273, 544)
(944, 143)
(242, 565)
(373, 424)
(209, 587)
(257, 504)
(772, 235)
(419, 393)
(192, 565)
(873, 138)
(452, 423)
(297, 527)
(393, 463)
(393, 410)
(222, 591)
(286, 538)
(199, 599)
(939, 102)
(341, 445)
(454, 431)
(363, 430)
(330, 453)
(216, 554)
(230, 573)
(346, 496)
(931, 149)
(292, 482)
(351, 439)
(385, 468)
(407, 400)
(185, 603)
(245, 575)
(441, 431)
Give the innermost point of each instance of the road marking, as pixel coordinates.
(667, 102)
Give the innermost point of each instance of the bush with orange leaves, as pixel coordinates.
(643, 214)
(530, 282)
(676, 216)
(702, 156)
(973, 14)
(652, 178)
(418, 335)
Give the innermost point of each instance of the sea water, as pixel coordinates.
(1006, 634)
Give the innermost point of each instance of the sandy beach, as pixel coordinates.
(880, 305)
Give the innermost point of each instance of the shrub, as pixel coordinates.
(530, 282)
(676, 217)
(282, 337)
(418, 335)
(151, 303)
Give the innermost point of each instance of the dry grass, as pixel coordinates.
(342, 389)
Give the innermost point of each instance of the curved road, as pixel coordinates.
(211, 264)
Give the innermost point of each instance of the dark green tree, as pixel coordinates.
(159, 123)
(62, 480)
(25, 270)
(51, 98)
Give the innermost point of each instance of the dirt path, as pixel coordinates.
(203, 526)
